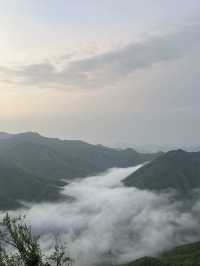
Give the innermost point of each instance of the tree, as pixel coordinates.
(17, 240)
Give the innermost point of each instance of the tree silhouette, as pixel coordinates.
(19, 247)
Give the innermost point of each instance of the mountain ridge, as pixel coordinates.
(178, 169)
(39, 164)
(184, 255)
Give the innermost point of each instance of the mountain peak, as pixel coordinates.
(29, 134)
(176, 152)
(176, 169)
(176, 155)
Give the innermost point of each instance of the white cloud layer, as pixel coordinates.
(106, 69)
(111, 223)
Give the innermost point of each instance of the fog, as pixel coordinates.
(109, 223)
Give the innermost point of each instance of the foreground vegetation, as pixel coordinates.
(18, 247)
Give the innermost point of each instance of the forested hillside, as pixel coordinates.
(179, 170)
(32, 167)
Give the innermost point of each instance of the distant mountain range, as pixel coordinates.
(152, 148)
(32, 167)
(179, 170)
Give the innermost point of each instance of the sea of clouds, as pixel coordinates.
(108, 223)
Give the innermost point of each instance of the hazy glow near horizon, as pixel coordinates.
(103, 71)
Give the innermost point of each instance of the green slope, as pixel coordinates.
(186, 255)
(32, 167)
(58, 159)
(17, 185)
(178, 170)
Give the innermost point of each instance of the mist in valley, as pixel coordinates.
(108, 223)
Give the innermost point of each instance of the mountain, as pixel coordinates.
(18, 185)
(4, 135)
(177, 169)
(186, 255)
(57, 159)
(32, 167)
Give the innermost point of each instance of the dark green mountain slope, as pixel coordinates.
(178, 169)
(57, 159)
(17, 185)
(32, 167)
(186, 255)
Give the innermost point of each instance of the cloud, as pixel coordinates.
(108, 68)
(109, 223)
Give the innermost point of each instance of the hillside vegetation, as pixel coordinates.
(32, 167)
(27, 251)
(186, 255)
(17, 184)
(178, 170)
(57, 159)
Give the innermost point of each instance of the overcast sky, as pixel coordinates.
(104, 71)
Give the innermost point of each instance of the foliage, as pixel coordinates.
(19, 247)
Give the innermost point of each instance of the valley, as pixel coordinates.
(125, 208)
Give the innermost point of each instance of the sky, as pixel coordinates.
(107, 71)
